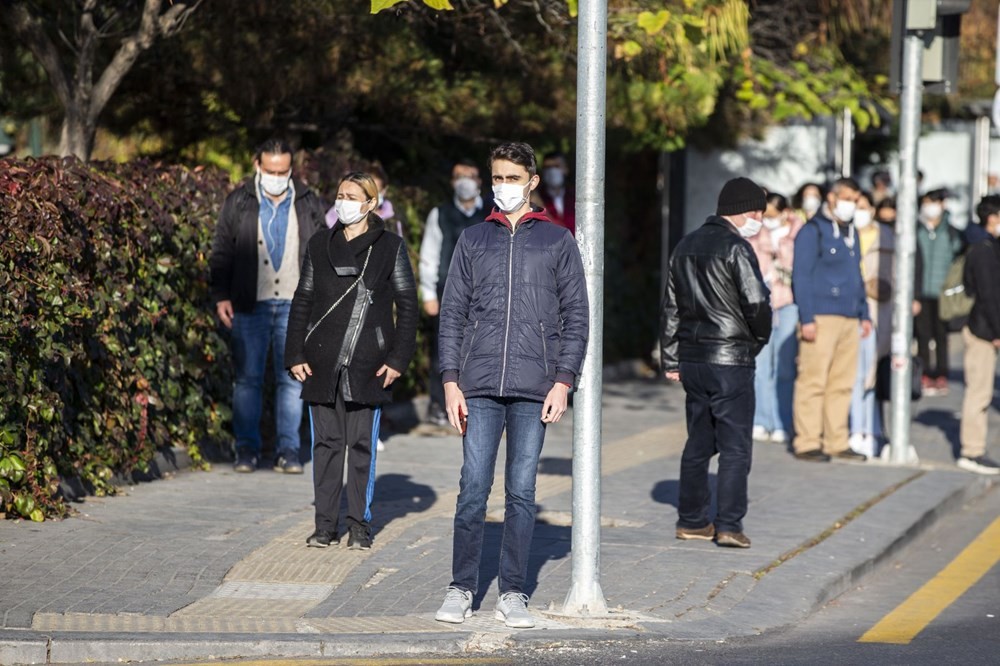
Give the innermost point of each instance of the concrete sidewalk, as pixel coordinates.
(214, 564)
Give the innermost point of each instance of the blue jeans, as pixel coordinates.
(525, 433)
(865, 417)
(719, 407)
(774, 381)
(253, 333)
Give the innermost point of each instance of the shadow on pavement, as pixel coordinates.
(549, 543)
(398, 496)
(668, 492)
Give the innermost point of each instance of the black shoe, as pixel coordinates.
(287, 465)
(812, 456)
(322, 539)
(245, 463)
(850, 455)
(359, 538)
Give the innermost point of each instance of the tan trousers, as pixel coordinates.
(980, 368)
(827, 369)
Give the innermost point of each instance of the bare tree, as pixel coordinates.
(72, 60)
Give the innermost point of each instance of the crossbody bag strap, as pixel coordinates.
(353, 286)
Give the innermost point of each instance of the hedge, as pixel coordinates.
(109, 348)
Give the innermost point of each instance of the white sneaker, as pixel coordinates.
(980, 465)
(512, 610)
(456, 607)
(779, 437)
(760, 433)
(379, 445)
(857, 442)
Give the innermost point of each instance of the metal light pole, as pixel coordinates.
(901, 452)
(585, 596)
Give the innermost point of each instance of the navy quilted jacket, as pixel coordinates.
(514, 317)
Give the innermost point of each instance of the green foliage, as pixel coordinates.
(108, 349)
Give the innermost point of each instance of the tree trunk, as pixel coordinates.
(77, 136)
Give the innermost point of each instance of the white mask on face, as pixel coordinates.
(750, 228)
(274, 185)
(772, 223)
(862, 219)
(381, 199)
(844, 210)
(509, 196)
(931, 211)
(349, 212)
(553, 176)
(811, 204)
(466, 188)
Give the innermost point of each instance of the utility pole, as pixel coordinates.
(585, 597)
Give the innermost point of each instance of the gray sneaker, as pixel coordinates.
(456, 607)
(287, 465)
(980, 465)
(512, 610)
(246, 463)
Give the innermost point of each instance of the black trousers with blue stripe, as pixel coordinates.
(344, 433)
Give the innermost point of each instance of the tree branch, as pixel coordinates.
(151, 25)
(29, 29)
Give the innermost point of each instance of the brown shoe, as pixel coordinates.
(733, 540)
(706, 533)
(812, 456)
(850, 455)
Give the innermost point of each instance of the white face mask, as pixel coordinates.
(931, 211)
(811, 204)
(553, 176)
(750, 228)
(349, 212)
(862, 219)
(772, 223)
(381, 199)
(274, 185)
(509, 196)
(466, 188)
(844, 210)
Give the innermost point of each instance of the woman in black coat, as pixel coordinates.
(347, 348)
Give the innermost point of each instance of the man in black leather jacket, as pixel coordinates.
(716, 317)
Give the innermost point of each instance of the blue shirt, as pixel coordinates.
(274, 222)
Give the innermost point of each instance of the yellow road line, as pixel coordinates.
(911, 617)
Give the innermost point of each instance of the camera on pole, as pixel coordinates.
(940, 23)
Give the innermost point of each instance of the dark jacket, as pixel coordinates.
(233, 263)
(514, 319)
(826, 273)
(452, 223)
(359, 333)
(716, 308)
(982, 266)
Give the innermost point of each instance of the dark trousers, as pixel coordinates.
(720, 407)
(343, 430)
(928, 326)
(436, 387)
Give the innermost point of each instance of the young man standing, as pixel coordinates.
(982, 340)
(260, 240)
(445, 224)
(716, 318)
(514, 324)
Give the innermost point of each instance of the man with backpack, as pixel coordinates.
(833, 316)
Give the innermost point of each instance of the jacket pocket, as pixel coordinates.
(472, 340)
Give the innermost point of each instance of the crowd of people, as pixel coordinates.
(776, 319)
(827, 257)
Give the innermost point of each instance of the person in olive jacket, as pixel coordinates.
(347, 350)
(256, 254)
(514, 325)
(716, 318)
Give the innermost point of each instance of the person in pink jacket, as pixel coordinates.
(774, 379)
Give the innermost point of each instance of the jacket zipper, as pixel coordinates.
(472, 341)
(545, 351)
(510, 297)
(361, 322)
